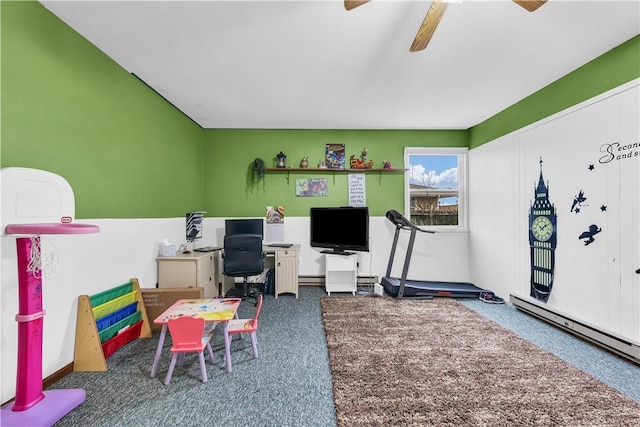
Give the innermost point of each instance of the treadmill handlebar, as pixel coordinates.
(401, 222)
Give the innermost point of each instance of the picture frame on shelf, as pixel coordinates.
(335, 156)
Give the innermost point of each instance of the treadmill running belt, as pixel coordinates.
(419, 288)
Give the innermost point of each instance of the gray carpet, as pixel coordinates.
(289, 385)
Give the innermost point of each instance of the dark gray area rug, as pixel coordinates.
(437, 362)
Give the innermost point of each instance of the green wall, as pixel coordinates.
(230, 153)
(69, 109)
(614, 68)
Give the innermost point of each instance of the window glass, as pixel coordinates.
(435, 187)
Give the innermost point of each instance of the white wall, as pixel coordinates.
(593, 283)
(494, 231)
(87, 264)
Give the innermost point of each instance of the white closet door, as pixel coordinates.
(624, 301)
(569, 147)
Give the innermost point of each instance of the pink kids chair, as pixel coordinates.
(187, 336)
(242, 326)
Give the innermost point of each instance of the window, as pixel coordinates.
(435, 187)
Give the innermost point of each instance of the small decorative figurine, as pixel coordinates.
(281, 159)
(322, 165)
(361, 163)
(304, 163)
(387, 165)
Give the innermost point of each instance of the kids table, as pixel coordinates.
(211, 310)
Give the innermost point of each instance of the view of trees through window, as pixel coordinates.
(433, 187)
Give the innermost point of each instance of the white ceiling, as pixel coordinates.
(314, 65)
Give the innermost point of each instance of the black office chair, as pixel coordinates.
(243, 257)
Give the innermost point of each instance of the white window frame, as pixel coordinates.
(463, 199)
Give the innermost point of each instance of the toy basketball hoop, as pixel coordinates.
(35, 203)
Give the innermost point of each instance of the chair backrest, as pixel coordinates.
(243, 255)
(246, 325)
(186, 333)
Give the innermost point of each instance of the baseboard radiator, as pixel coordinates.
(319, 280)
(625, 348)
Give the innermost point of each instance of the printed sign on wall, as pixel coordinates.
(357, 190)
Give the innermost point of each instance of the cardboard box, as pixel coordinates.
(156, 301)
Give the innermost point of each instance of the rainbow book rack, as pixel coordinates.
(107, 321)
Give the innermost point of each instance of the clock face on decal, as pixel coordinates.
(542, 228)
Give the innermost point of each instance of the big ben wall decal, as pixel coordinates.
(542, 241)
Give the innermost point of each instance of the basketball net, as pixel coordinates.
(42, 262)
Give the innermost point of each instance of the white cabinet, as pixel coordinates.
(286, 265)
(341, 273)
(194, 270)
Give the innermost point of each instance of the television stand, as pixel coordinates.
(337, 252)
(341, 270)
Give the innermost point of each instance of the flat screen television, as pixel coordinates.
(339, 229)
(244, 226)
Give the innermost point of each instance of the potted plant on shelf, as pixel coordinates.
(259, 170)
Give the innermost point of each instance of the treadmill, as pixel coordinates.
(405, 288)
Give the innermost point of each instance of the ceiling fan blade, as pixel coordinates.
(530, 5)
(352, 4)
(429, 25)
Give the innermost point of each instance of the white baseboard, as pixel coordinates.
(621, 346)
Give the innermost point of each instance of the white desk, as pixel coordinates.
(192, 270)
(285, 263)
